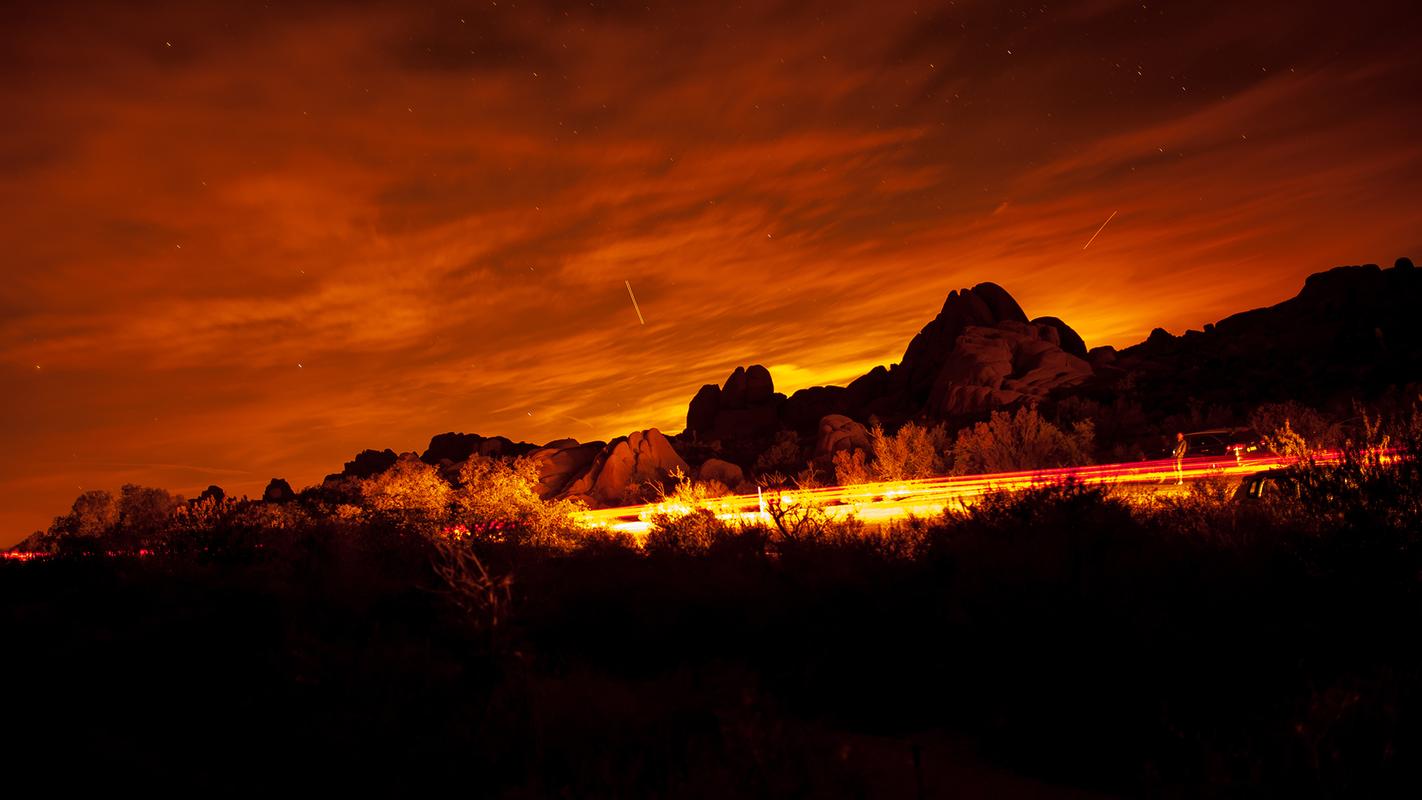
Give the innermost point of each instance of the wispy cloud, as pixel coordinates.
(261, 240)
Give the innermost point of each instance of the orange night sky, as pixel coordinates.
(244, 241)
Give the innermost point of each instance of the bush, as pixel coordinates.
(784, 456)
(851, 467)
(500, 499)
(1270, 419)
(913, 452)
(1020, 441)
(409, 494)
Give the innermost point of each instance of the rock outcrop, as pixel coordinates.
(838, 432)
(728, 474)
(278, 491)
(562, 461)
(1349, 334)
(619, 470)
(456, 447)
(366, 464)
(1068, 339)
(980, 352)
(1002, 365)
(983, 305)
(747, 405)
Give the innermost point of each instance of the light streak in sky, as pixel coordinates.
(637, 308)
(877, 503)
(1099, 230)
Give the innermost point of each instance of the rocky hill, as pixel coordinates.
(1352, 332)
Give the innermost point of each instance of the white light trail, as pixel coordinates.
(635, 307)
(1099, 230)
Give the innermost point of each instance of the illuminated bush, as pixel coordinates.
(685, 519)
(410, 493)
(797, 518)
(913, 452)
(1022, 440)
(1375, 486)
(257, 516)
(498, 500)
(851, 467)
(207, 513)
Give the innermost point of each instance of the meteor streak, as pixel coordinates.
(635, 307)
(1099, 230)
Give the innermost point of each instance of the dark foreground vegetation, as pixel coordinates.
(1059, 639)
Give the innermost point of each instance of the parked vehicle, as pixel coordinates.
(1234, 443)
(1268, 484)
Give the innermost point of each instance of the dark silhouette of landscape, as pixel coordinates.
(443, 618)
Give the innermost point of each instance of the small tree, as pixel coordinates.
(1021, 441)
(144, 511)
(797, 517)
(93, 514)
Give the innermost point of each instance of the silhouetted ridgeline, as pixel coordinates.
(1349, 336)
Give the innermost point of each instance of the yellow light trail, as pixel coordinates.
(878, 503)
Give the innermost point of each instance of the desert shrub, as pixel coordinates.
(408, 494)
(484, 596)
(694, 532)
(1042, 507)
(94, 513)
(796, 518)
(499, 500)
(1303, 422)
(1206, 514)
(1022, 440)
(851, 467)
(685, 518)
(144, 510)
(205, 514)
(784, 455)
(258, 516)
(914, 451)
(1372, 488)
(91, 519)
